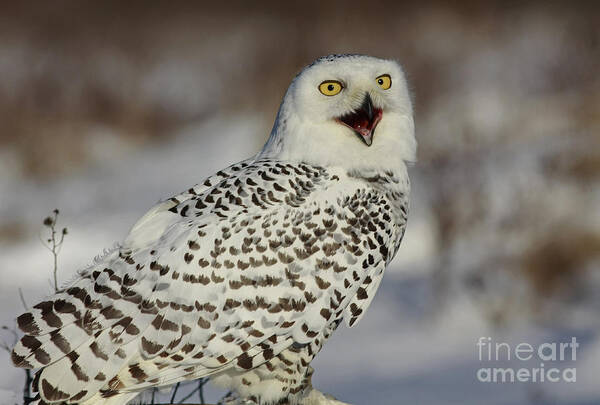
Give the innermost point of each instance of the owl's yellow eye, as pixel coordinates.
(384, 81)
(330, 87)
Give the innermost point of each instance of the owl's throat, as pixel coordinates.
(363, 121)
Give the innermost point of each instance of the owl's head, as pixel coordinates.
(346, 110)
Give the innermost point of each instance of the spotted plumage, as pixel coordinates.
(243, 277)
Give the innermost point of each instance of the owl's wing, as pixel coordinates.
(240, 271)
(153, 224)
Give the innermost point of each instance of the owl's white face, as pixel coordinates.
(350, 111)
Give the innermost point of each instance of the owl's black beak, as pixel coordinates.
(364, 120)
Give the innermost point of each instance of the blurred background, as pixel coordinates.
(107, 107)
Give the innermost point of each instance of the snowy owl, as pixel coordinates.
(243, 277)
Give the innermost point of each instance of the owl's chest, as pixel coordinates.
(376, 208)
(380, 193)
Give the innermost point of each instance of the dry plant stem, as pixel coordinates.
(55, 243)
(27, 399)
(201, 384)
(23, 299)
(175, 391)
(198, 389)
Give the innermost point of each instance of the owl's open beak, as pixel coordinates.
(364, 120)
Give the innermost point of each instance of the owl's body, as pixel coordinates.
(242, 278)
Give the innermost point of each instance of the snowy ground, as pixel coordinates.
(407, 350)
